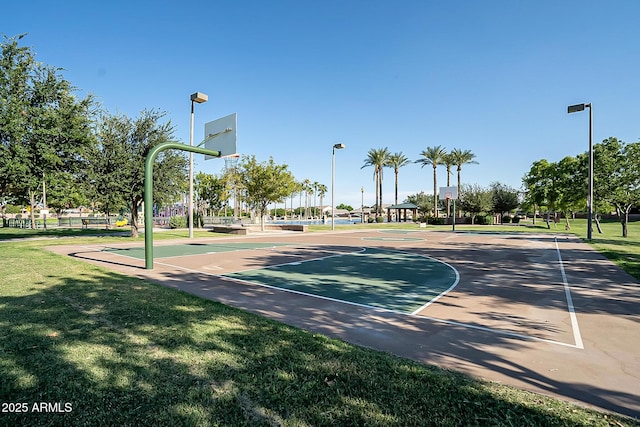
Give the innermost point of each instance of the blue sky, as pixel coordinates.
(494, 77)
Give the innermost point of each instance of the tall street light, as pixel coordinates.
(198, 97)
(338, 146)
(574, 109)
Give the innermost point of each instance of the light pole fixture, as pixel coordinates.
(574, 109)
(198, 97)
(338, 146)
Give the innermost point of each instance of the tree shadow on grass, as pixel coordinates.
(124, 352)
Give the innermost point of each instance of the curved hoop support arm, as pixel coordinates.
(148, 191)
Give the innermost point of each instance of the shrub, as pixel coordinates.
(484, 220)
(436, 221)
(13, 209)
(379, 219)
(122, 222)
(515, 219)
(177, 222)
(506, 219)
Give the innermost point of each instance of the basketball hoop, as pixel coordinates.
(450, 193)
(230, 162)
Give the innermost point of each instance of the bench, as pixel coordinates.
(86, 222)
(17, 222)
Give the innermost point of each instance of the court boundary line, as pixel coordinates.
(575, 328)
(386, 310)
(379, 309)
(567, 291)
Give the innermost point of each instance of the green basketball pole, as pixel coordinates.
(453, 218)
(148, 191)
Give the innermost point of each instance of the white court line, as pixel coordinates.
(434, 319)
(578, 340)
(567, 291)
(455, 282)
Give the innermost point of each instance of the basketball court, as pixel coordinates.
(535, 311)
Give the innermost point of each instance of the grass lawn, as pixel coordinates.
(107, 349)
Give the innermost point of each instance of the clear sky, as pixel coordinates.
(493, 77)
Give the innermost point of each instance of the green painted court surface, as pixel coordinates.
(379, 278)
(387, 279)
(191, 249)
(399, 231)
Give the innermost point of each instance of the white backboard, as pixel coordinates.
(450, 193)
(221, 135)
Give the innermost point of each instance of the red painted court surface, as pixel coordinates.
(544, 314)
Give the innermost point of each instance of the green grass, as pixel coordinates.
(7, 233)
(122, 351)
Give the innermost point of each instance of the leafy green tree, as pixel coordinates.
(536, 182)
(422, 200)
(617, 168)
(504, 198)
(44, 129)
(64, 192)
(571, 182)
(264, 183)
(475, 200)
(212, 192)
(378, 158)
(345, 207)
(396, 161)
(117, 163)
(433, 156)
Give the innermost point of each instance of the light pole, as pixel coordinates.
(574, 109)
(198, 97)
(338, 146)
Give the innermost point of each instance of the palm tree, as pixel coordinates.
(378, 159)
(295, 189)
(306, 186)
(396, 161)
(315, 186)
(321, 190)
(462, 157)
(433, 156)
(448, 162)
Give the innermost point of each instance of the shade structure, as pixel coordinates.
(402, 207)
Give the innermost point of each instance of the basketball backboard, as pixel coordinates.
(450, 193)
(221, 135)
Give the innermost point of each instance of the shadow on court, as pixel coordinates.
(508, 319)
